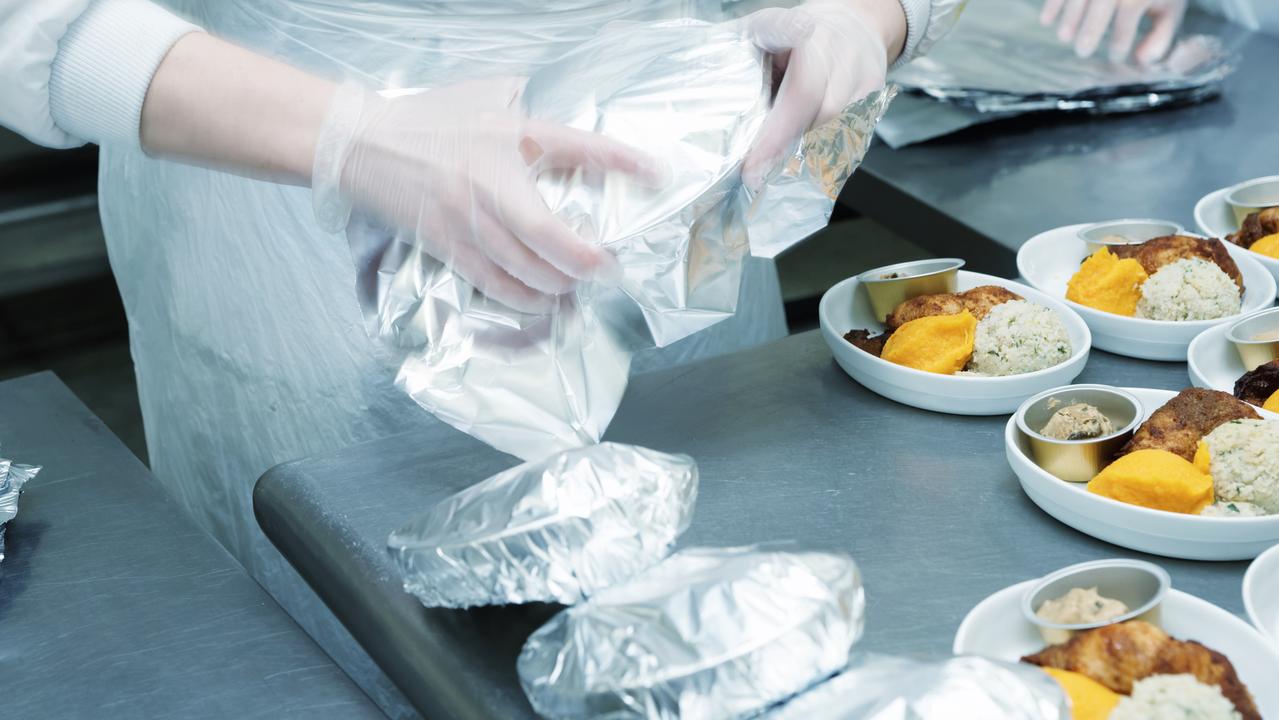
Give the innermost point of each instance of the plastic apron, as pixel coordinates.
(247, 339)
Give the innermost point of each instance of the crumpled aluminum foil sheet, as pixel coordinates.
(694, 95)
(550, 531)
(965, 687)
(1000, 59)
(707, 633)
(12, 477)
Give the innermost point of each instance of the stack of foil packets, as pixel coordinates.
(701, 633)
(12, 477)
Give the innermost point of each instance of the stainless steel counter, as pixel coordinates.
(790, 449)
(981, 193)
(114, 604)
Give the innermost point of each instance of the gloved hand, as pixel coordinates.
(455, 168)
(828, 54)
(1084, 22)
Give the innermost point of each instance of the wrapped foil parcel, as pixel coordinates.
(694, 96)
(1000, 59)
(706, 633)
(555, 530)
(12, 477)
(965, 687)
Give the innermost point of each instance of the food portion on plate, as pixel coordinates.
(1134, 669)
(1260, 387)
(1173, 278)
(985, 331)
(1259, 233)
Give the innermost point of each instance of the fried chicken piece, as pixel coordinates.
(873, 344)
(1182, 422)
(978, 301)
(1257, 386)
(1256, 226)
(1161, 251)
(1119, 655)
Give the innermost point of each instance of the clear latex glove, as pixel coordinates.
(455, 168)
(1083, 23)
(828, 54)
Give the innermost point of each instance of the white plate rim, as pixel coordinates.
(1250, 577)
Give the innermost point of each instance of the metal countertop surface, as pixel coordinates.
(114, 604)
(984, 191)
(789, 448)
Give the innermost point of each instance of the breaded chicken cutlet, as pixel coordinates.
(1258, 386)
(1183, 421)
(1161, 251)
(979, 301)
(1256, 226)
(1119, 655)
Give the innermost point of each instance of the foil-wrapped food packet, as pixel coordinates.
(965, 687)
(12, 477)
(555, 530)
(706, 633)
(692, 94)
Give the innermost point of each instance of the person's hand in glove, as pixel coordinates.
(828, 53)
(1083, 24)
(455, 168)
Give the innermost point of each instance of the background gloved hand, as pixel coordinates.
(455, 168)
(1083, 23)
(827, 53)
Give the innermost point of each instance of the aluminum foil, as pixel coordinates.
(12, 477)
(1000, 59)
(707, 633)
(692, 94)
(551, 531)
(965, 687)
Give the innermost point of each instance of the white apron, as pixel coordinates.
(244, 328)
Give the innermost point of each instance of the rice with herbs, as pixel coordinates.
(1019, 337)
(1174, 697)
(1243, 457)
(1189, 289)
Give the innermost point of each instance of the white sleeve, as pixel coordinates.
(926, 22)
(76, 71)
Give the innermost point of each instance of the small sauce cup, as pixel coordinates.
(1256, 338)
(1128, 231)
(1078, 460)
(1250, 196)
(1138, 584)
(892, 285)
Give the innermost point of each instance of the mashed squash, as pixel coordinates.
(1155, 479)
(1268, 246)
(1107, 283)
(938, 343)
(1089, 699)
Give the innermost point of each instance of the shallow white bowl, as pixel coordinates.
(1048, 261)
(1215, 219)
(1261, 594)
(1212, 360)
(1177, 535)
(846, 307)
(996, 629)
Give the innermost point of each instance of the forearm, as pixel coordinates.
(888, 20)
(214, 103)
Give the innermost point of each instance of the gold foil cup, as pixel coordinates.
(1138, 584)
(1078, 460)
(1128, 231)
(1250, 336)
(892, 285)
(1248, 197)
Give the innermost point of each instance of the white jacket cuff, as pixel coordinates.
(926, 22)
(104, 65)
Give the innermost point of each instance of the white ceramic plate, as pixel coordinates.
(1261, 594)
(1154, 531)
(996, 629)
(1215, 219)
(1212, 360)
(1048, 260)
(847, 307)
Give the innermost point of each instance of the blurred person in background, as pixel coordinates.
(248, 344)
(1142, 29)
